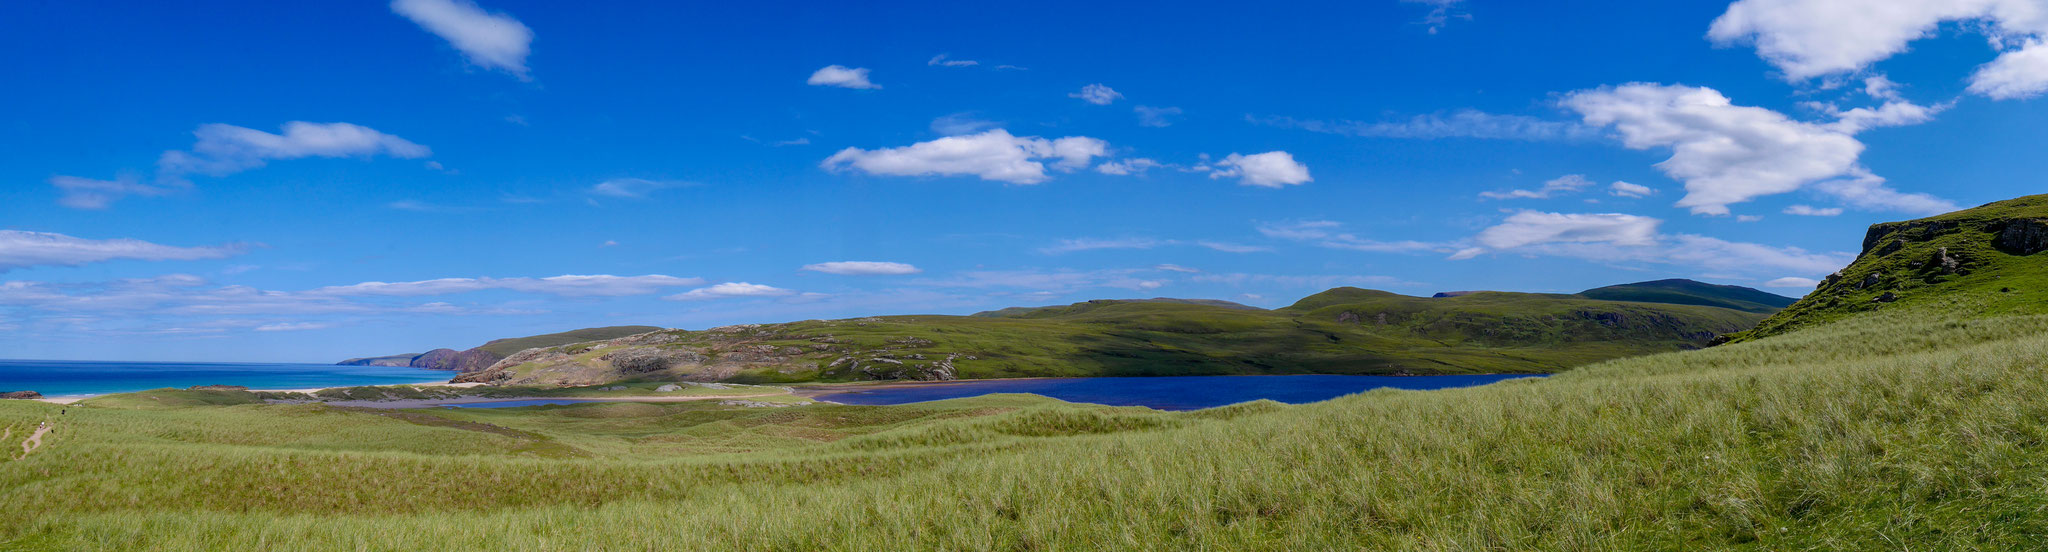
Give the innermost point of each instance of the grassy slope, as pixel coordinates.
(1993, 282)
(1688, 292)
(1903, 429)
(505, 347)
(1482, 333)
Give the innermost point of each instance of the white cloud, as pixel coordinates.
(1176, 268)
(843, 77)
(631, 188)
(1233, 248)
(1124, 167)
(942, 60)
(1156, 117)
(293, 326)
(1097, 94)
(491, 40)
(863, 268)
(729, 290)
(1464, 123)
(19, 249)
(179, 294)
(226, 149)
(1441, 12)
(1314, 281)
(1811, 211)
(961, 123)
(1561, 185)
(992, 155)
(1624, 189)
(1528, 228)
(1050, 282)
(1890, 114)
(1812, 38)
(1620, 238)
(1727, 153)
(1273, 169)
(2021, 73)
(1328, 234)
(1867, 191)
(572, 285)
(1793, 282)
(86, 193)
(1091, 244)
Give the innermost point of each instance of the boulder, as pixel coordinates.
(1946, 263)
(21, 395)
(1886, 298)
(1872, 280)
(670, 388)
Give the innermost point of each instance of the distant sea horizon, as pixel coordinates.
(77, 378)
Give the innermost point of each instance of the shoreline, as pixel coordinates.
(70, 399)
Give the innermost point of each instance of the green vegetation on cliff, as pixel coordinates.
(1984, 261)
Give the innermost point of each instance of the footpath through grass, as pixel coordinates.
(1893, 430)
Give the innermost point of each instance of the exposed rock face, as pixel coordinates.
(437, 359)
(2023, 237)
(1886, 298)
(1916, 230)
(651, 360)
(21, 395)
(461, 361)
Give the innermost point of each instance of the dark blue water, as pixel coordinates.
(60, 378)
(1165, 393)
(513, 404)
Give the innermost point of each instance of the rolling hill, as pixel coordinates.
(482, 356)
(1340, 331)
(1688, 292)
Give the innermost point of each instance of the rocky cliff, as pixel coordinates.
(1981, 261)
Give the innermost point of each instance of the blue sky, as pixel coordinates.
(261, 181)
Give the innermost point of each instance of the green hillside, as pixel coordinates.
(1341, 331)
(505, 347)
(1688, 292)
(1982, 261)
(1903, 429)
(1915, 425)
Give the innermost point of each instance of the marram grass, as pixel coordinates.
(1893, 430)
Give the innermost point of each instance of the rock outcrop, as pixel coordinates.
(1966, 261)
(21, 395)
(2023, 237)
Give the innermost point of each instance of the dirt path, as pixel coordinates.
(35, 440)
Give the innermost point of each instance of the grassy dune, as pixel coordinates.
(1899, 429)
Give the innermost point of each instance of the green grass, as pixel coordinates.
(1909, 428)
(505, 347)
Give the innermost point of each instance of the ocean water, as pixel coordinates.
(1165, 393)
(65, 378)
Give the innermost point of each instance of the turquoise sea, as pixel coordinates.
(66, 378)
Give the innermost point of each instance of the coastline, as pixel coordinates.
(70, 399)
